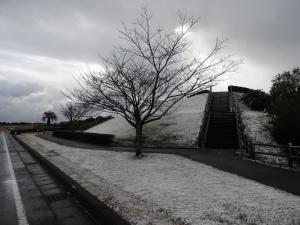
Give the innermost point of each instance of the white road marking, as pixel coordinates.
(17, 197)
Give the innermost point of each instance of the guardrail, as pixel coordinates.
(235, 107)
(292, 153)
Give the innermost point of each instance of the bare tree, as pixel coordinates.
(145, 79)
(73, 111)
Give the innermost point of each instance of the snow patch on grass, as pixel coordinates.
(169, 189)
(180, 128)
(256, 123)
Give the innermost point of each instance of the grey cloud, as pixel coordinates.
(265, 30)
(30, 107)
(9, 88)
(264, 33)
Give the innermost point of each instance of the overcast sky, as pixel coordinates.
(45, 43)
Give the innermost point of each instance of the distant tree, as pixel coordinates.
(49, 116)
(143, 80)
(284, 106)
(73, 111)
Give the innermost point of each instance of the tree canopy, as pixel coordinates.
(49, 116)
(284, 106)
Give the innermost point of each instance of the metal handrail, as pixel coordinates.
(234, 107)
(276, 146)
(206, 131)
(205, 121)
(290, 154)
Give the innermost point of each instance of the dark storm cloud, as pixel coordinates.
(64, 29)
(66, 33)
(264, 30)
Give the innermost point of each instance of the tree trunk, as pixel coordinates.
(48, 121)
(138, 140)
(71, 125)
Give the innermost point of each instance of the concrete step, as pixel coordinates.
(222, 128)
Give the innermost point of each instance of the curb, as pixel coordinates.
(98, 209)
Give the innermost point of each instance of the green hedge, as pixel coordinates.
(93, 138)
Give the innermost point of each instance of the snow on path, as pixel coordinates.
(179, 128)
(169, 189)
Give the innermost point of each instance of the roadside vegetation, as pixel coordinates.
(84, 124)
(282, 104)
(256, 100)
(284, 107)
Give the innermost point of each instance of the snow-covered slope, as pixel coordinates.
(256, 123)
(180, 127)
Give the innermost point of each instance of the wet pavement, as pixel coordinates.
(8, 213)
(29, 194)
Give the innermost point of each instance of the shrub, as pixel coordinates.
(31, 129)
(284, 107)
(94, 138)
(84, 124)
(256, 100)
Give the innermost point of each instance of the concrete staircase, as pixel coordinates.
(222, 131)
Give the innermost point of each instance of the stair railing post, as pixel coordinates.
(246, 144)
(252, 150)
(233, 108)
(206, 119)
(206, 130)
(289, 152)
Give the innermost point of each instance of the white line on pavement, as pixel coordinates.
(19, 204)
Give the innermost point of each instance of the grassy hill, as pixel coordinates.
(179, 128)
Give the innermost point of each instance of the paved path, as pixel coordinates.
(8, 213)
(29, 194)
(225, 160)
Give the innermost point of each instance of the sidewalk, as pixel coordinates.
(8, 214)
(30, 194)
(280, 178)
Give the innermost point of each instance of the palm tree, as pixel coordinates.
(49, 116)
